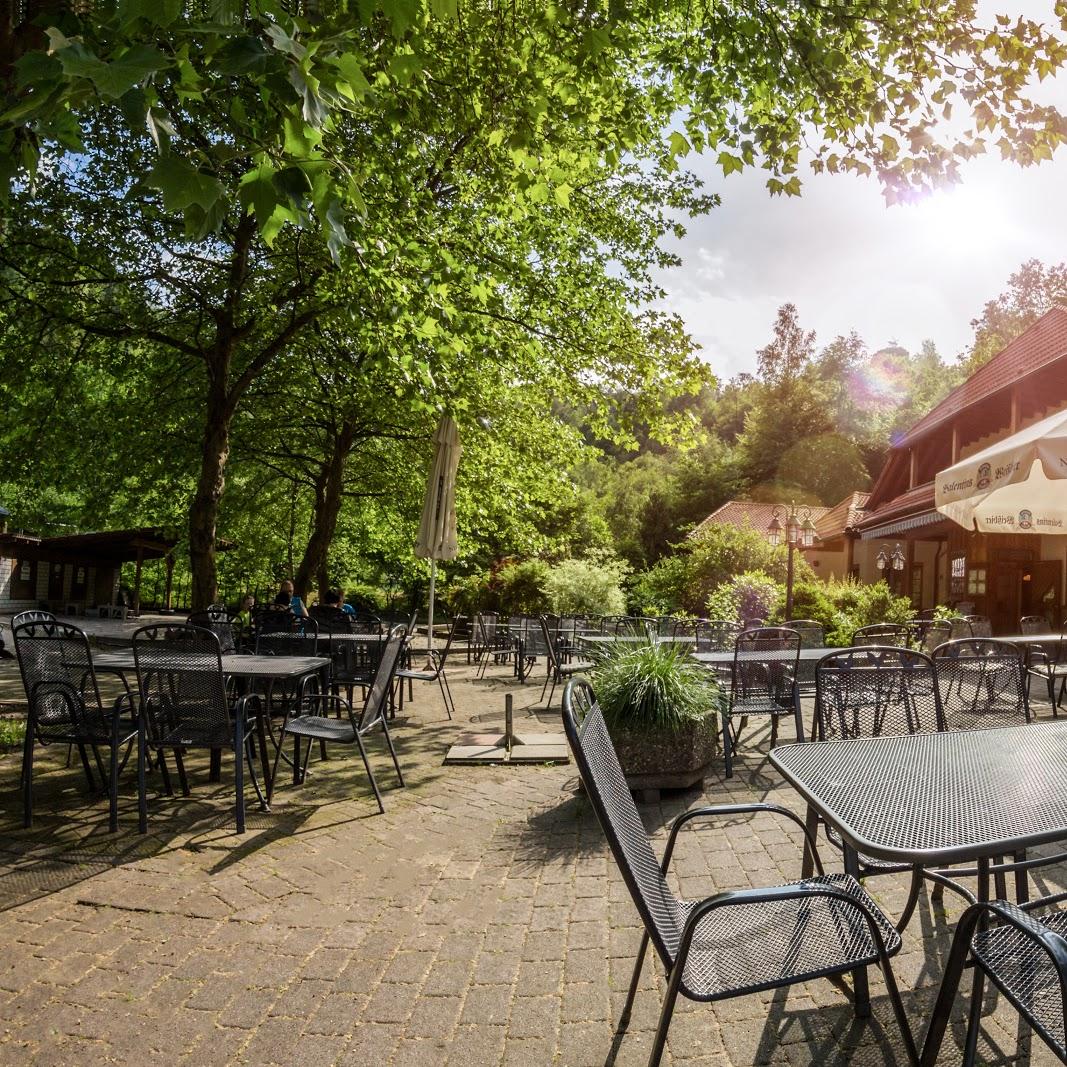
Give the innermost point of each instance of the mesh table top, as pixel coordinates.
(937, 798)
(725, 659)
(233, 665)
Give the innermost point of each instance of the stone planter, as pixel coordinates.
(675, 760)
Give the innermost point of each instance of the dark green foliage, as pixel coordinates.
(653, 687)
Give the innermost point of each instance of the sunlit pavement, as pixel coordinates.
(479, 921)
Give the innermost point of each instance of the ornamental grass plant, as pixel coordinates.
(653, 687)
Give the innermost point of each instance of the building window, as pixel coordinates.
(958, 574)
(24, 579)
(976, 581)
(916, 585)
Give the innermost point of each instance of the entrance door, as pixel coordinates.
(1040, 591)
(55, 582)
(1003, 603)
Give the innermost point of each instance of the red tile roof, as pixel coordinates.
(1037, 347)
(748, 513)
(921, 498)
(842, 517)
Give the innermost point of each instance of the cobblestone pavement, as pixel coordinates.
(479, 921)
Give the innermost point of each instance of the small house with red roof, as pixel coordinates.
(1002, 575)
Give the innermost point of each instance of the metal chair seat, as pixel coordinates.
(750, 947)
(1025, 973)
(868, 864)
(218, 734)
(418, 676)
(321, 728)
(1055, 670)
(759, 705)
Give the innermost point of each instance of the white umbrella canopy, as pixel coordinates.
(437, 529)
(1018, 485)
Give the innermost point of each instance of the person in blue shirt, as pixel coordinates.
(335, 598)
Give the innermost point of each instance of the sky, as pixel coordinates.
(904, 274)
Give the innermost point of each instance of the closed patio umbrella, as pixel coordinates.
(437, 530)
(1018, 485)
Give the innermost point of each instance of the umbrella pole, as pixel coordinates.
(429, 628)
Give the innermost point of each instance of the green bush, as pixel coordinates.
(861, 605)
(811, 600)
(723, 552)
(585, 587)
(520, 587)
(366, 598)
(653, 687)
(661, 589)
(468, 595)
(754, 595)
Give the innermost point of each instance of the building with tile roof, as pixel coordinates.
(1002, 575)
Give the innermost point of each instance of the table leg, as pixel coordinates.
(811, 824)
(859, 975)
(215, 771)
(261, 732)
(978, 983)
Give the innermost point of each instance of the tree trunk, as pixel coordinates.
(204, 508)
(328, 497)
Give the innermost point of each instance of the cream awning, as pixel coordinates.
(1018, 485)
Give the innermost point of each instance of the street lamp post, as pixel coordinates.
(890, 559)
(799, 529)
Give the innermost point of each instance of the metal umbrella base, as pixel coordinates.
(508, 747)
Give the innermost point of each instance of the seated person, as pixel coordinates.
(284, 597)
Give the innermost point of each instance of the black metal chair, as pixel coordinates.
(981, 625)
(435, 671)
(1049, 667)
(184, 705)
(64, 705)
(959, 628)
(763, 681)
(812, 633)
(716, 636)
(735, 942)
(1024, 956)
(496, 642)
(925, 635)
(874, 691)
(881, 633)
(223, 623)
(558, 669)
(981, 683)
(32, 615)
(350, 729)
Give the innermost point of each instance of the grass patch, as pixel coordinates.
(12, 733)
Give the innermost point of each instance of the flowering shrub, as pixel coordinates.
(585, 587)
(753, 595)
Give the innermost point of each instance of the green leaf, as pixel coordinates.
(351, 69)
(183, 186)
(680, 146)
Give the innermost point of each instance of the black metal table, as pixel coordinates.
(247, 668)
(721, 662)
(934, 799)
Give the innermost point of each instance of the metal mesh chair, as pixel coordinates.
(1048, 666)
(763, 681)
(435, 669)
(1033, 624)
(981, 684)
(684, 627)
(64, 705)
(496, 643)
(184, 705)
(1026, 958)
(222, 623)
(926, 634)
(959, 627)
(33, 615)
(733, 943)
(812, 633)
(981, 626)
(716, 636)
(558, 669)
(353, 727)
(881, 633)
(754, 623)
(635, 626)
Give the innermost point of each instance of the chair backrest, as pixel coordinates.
(330, 619)
(300, 637)
(605, 786)
(608, 623)
(926, 635)
(755, 623)
(872, 690)
(982, 683)
(881, 633)
(365, 624)
(812, 633)
(485, 627)
(959, 627)
(550, 644)
(33, 615)
(453, 630)
(222, 623)
(765, 665)
(635, 626)
(374, 707)
(981, 625)
(179, 674)
(1033, 624)
(716, 636)
(57, 673)
(684, 627)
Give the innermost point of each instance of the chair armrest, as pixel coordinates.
(241, 705)
(327, 699)
(718, 810)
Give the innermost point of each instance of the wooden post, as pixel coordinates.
(137, 582)
(913, 467)
(1014, 408)
(955, 443)
(170, 580)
